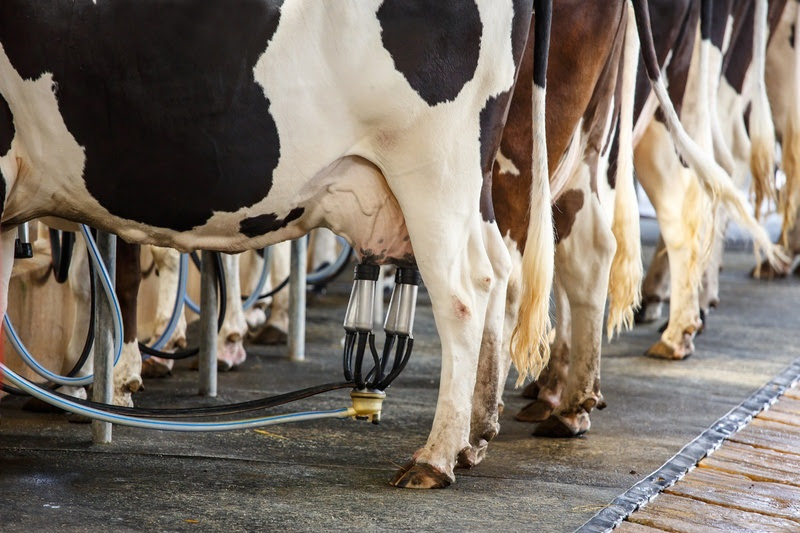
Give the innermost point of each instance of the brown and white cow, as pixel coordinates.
(685, 216)
(589, 150)
(738, 36)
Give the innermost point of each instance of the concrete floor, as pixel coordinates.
(332, 475)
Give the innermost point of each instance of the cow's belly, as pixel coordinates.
(226, 154)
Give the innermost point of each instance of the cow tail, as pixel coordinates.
(530, 348)
(624, 284)
(715, 182)
(790, 197)
(762, 129)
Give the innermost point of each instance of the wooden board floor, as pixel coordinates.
(752, 483)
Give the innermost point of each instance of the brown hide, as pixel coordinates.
(583, 37)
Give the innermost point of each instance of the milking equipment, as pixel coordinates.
(398, 328)
(108, 289)
(23, 249)
(369, 387)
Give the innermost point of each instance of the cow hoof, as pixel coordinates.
(558, 427)
(473, 454)
(662, 350)
(648, 313)
(531, 391)
(420, 476)
(153, 367)
(35, 405)
(767, 272)
(537, 411)
(255, 318)
(270, 335)
(134, 385)
(230, 356)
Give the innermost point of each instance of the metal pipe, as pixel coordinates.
(103, 387)
(23, 249)
(297, 301)
(208, 326)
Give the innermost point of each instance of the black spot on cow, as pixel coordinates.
(263, 224)
(2, 195)
(495, 113)
(162, 97)
(434, 44)
(791, 36)
(6, 127)
(613, 158)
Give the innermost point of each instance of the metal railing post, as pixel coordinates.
(103, 385)
(297, 301)
(208, 325)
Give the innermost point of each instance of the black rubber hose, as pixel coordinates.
(315, 283)
(61, 245)
(342, 267)
(218, 410)
(271, 292)
(223, 295)
(87, 345)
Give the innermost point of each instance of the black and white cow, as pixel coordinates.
(234, 124)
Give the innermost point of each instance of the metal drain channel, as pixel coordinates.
(691, 454)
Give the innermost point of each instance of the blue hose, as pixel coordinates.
(165, 425)
(108, 288)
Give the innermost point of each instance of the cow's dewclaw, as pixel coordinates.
(531, 391)
(536, 411)
(661, 350)
(563, 426)
(420, 476)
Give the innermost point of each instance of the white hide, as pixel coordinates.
(338, 102)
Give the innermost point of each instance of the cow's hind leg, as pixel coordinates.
(7, 238)
(492, 364)
(128, 372)
(549, 387)
(275, 329)
(167, 264)
(230, 340)
(583, 263)
(454, 263)
(655, 287)
(683, 217)
(80, 286)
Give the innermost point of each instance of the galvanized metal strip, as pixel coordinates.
(684, 461)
